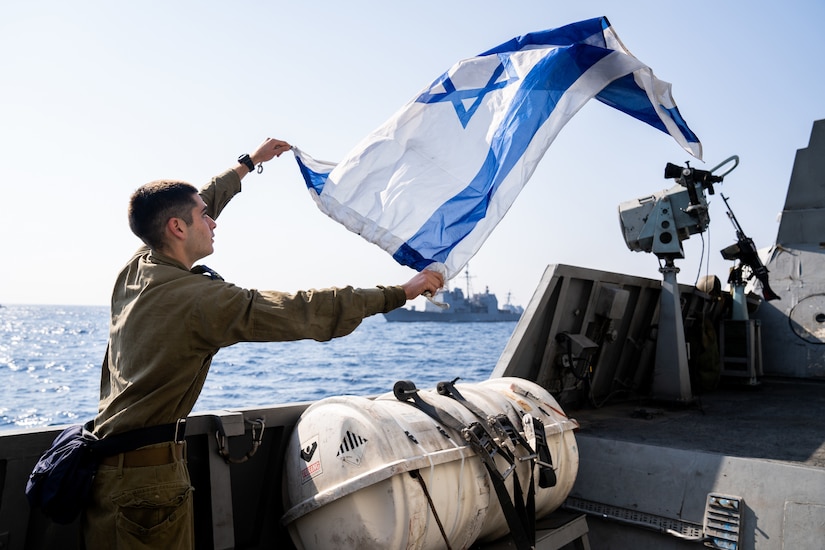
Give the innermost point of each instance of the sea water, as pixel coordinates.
(50, 358)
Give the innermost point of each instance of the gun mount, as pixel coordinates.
(659, 223)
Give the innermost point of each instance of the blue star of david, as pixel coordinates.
(447, 91)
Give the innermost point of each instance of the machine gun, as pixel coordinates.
(745, 252)
(687, 175)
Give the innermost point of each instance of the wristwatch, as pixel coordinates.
(246, 160)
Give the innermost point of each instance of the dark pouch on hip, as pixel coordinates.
(62, 478)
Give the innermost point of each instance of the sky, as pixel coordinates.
(97, 98)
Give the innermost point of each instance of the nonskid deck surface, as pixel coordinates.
(777, 420)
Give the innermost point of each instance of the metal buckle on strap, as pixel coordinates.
(180, 430)
(484, 446)
(510, 436)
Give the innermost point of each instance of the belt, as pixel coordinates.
(151, 456)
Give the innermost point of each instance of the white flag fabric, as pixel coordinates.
(431, 183)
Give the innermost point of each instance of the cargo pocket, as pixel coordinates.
(157, 517)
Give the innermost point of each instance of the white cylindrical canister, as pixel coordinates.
(382, 473)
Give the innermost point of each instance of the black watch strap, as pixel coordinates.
(246, 160)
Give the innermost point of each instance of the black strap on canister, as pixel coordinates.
(520, 518)
(522, 515)
(406, 392)
(515, 514)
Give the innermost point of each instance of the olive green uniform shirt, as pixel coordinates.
(167, 323)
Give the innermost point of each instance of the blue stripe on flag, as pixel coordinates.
(626, 96)
(589, 31)
(314, 180)
(681, 124)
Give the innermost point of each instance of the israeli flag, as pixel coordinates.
(430, 185)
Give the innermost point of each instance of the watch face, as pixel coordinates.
(246, 160)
